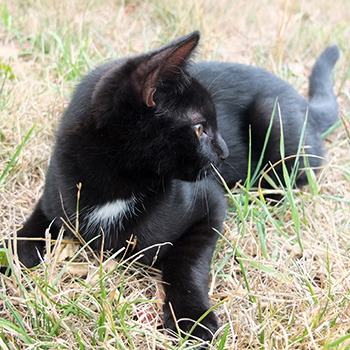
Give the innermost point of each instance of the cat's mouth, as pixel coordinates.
(207, 172)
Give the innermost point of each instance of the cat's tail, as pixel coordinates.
(322, 98)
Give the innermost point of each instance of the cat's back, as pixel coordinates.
(226, 79)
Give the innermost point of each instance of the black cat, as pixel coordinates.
(140, 135)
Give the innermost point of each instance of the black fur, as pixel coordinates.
(245, 95)
(128, 136)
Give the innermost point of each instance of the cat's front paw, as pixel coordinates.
(205, 330)
(29, 253)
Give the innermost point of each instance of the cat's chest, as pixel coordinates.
(109, 215)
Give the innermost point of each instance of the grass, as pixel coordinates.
(280, 274)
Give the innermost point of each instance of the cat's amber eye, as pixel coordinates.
(198, 128)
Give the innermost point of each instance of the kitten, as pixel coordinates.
(140, 134)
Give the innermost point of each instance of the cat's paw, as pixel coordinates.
(29, 253)
(205, 330)
(5, 270)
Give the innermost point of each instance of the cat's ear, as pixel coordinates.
(166, 63)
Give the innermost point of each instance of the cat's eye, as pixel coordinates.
(198, 128)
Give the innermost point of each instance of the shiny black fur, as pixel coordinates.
(129, 135)
(245, 95)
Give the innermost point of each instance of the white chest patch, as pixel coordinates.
(110, 210)
(111, 213)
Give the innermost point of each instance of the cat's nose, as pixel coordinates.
(223, 149)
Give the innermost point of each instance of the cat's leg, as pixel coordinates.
(186, 270)
(186, 283)
(30, 251)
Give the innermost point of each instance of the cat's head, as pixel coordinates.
(155, 118)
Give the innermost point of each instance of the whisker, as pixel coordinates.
(194, 195)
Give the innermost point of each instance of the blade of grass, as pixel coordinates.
(19, 332)
(247, 185)
(262, 237)
(223, 339)
(311, 177)
(337, 342)
(14, 157)
(300, 149)
(288, 183)
(262, 154)
(233, 199)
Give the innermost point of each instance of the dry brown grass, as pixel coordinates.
(296, 299)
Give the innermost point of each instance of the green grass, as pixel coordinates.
(12, 161)
(280, 274)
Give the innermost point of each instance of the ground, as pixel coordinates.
(280, 275)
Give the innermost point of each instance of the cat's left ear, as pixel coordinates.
(166, 63)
